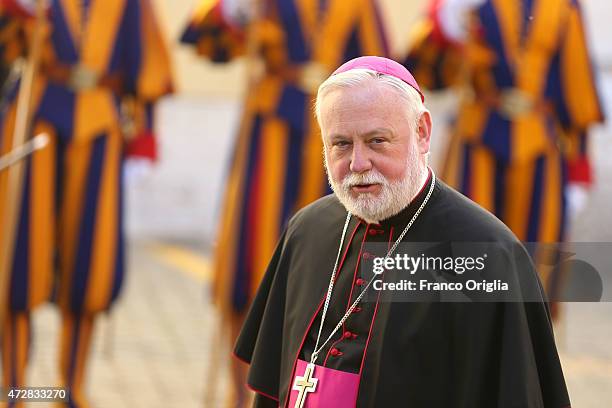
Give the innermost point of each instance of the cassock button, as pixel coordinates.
(335, 352)
(372, 232)
(367, 255)
(357, 309)
(348, 335)
(360, 282)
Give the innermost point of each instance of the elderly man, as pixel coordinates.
(318, 335)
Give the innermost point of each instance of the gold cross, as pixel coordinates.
(304, 385)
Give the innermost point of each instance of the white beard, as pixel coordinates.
(392, 198)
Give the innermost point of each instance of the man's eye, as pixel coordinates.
(341, 143)
(377, 140)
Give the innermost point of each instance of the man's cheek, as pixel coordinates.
(384, 170)
(339, 170)
(392, 173)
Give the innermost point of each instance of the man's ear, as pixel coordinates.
(424, 132)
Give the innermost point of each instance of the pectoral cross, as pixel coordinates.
(304, 385)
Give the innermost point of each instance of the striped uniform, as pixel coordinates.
(277, 162)
(71, 215)
(516, 163)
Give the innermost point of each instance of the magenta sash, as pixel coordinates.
(334, 389)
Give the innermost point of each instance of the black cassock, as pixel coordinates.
(425, 354)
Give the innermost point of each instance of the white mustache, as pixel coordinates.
(371, 177)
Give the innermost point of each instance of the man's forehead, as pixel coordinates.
(369, 96)
(362, 110)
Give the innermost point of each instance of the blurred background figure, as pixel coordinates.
(102, 65)
(518, 145)
(276, 166)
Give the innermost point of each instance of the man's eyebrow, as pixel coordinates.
(377, 131)
(336, 136)
(373, 132)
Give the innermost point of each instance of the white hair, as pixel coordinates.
(360, 77)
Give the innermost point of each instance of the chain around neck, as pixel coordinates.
(330, 288)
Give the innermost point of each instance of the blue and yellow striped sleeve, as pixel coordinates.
(155, 76)
(155, 79)
(577, 102)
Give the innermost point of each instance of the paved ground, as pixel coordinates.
(153, 351)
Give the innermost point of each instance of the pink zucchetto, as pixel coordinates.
(382, 66)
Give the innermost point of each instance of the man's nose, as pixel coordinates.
(360, 160)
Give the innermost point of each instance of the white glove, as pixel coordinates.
(136, 170)
(453, 18)
(577, 197)
(237, 12)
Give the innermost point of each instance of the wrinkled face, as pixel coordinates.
(374, 151)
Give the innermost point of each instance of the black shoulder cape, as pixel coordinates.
(421, 355)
